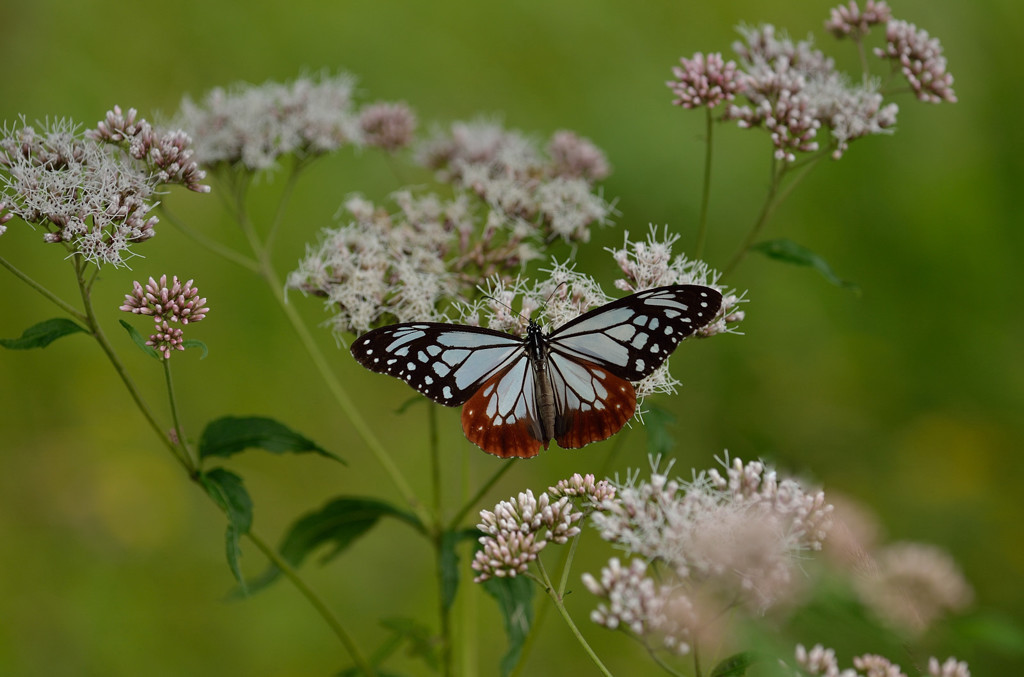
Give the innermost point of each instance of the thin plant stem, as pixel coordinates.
(178, 451)
(766, 211)
(662, 664)
(340, 394)
(557, 599)
(314, 599)
(773, 199)
(216, 247)
(286, 194)
(444, 611)
(471, 503)
(435, 459)
(49, 295)
(175, 418)
(567, 564)
(702, 225)
(97, 333)
(696, 662)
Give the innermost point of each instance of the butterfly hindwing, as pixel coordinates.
(502, 417)
(634, 335)
(591, 403)
(447, 363)
(573, 386)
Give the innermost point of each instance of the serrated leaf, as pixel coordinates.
(787, 251)
(231, 435)
(735, 665)
(196, 343)
(43, 334)
(657, 422)
(339, 523)
(515, 601)
(228, 491)
(140, 340)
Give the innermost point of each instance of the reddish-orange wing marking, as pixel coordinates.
(577, 427)
(572, 386)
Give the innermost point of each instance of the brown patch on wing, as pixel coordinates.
(577, 428)
(516, 439)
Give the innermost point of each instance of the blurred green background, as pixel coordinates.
(908, 397)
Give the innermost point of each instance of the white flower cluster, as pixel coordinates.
(92, 191)
(649, 263)
(738, 536)
(380, 266)
(518, 529)
(822, 661)
(505, 168)
(636, 603)
(920, 58)
(794, 90)
(911, 585)
(254, 125)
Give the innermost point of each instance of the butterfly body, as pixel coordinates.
(519, 393)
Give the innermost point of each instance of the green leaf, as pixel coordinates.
(735, 665)
(230, 435)
(339, 523)
(228, 491)
(43, 334)
(140, 340)
(515, 601)
(448, 562)
(196, 343)
(787, 251)
(657, 422)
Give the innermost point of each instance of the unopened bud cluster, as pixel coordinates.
(168, 306)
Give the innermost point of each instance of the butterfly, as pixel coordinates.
(572, 385)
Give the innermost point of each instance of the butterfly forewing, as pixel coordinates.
(447, 363)
(633, 336)
(572, 386)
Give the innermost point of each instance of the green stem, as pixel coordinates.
(702, 227)
(175, 418)
(444, 612)
(557, 599)
(567, 564)
(471, 503)
(49, 295)
(178, 451)
(766, 211)
(435, 459)
(97, 333)
(341, 396)
(696, 662)
(286, 194)
(332, 621)
(208, 242)
(662, 664)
